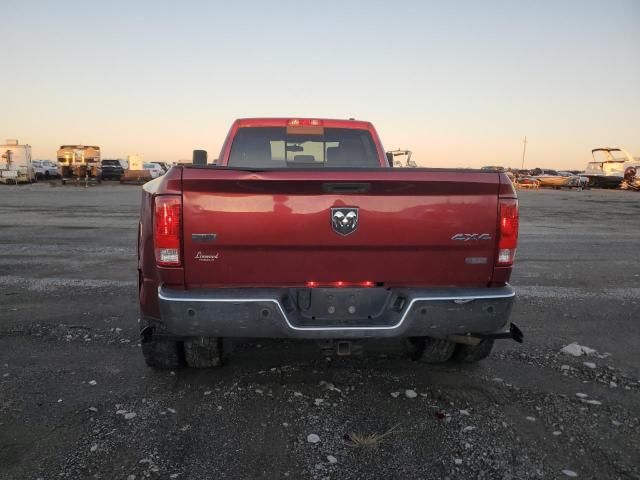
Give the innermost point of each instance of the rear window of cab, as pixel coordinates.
(282, 147)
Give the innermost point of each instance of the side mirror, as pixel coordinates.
(390, 159)
(199, 157)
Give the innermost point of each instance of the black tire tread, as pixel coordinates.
(162, 354)
(430, 350)
(203, 352)
(473, 353)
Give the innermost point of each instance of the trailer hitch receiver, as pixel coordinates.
(514, 333)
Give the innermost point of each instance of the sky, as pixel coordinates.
(460, 83)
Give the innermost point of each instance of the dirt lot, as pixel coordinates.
(77, 401)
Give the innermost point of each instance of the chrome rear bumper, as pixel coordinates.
(333, 313)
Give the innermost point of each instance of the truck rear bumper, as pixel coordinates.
(333, 313)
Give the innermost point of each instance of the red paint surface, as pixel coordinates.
(273, 228)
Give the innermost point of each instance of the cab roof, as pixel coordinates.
(289, 121)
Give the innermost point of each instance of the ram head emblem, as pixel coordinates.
(344, 220)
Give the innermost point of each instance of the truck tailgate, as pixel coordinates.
(274, 228)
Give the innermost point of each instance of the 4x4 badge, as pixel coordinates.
(465, 237)
(344, 220)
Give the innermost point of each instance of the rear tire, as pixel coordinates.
(429, 349)
(203, 352)
(163, 354)
(473, 353)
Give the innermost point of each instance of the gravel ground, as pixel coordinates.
(77, 401)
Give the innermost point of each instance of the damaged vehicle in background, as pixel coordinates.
(631, 178)
(574, 180)
(549, 178)
(544, 177)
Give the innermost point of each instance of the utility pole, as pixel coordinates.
(524, 151)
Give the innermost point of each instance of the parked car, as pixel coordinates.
(45, 169)
(154, 169)
(304, 231)
(112, 169)
(163, 165)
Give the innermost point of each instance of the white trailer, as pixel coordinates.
(15, 163)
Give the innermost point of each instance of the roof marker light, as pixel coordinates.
(304, 122)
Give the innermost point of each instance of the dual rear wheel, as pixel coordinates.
(440, 350)
(207, 352)
(196, 352)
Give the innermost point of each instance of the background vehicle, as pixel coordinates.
(79, 161)
(508, 173)
(631, 178)
(135, 173)
(45, 169)
(15, 163)
(550, 178)
(394, 161)
(607, 173)
(154, 169)
(544, 171)
(112, 169)
(163, 165)
(303, 231)
(574, 180)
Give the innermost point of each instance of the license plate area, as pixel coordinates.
(341, 307)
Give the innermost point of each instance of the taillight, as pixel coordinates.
(508, 233)
(168, 211)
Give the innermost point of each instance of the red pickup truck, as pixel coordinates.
(302, 229)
